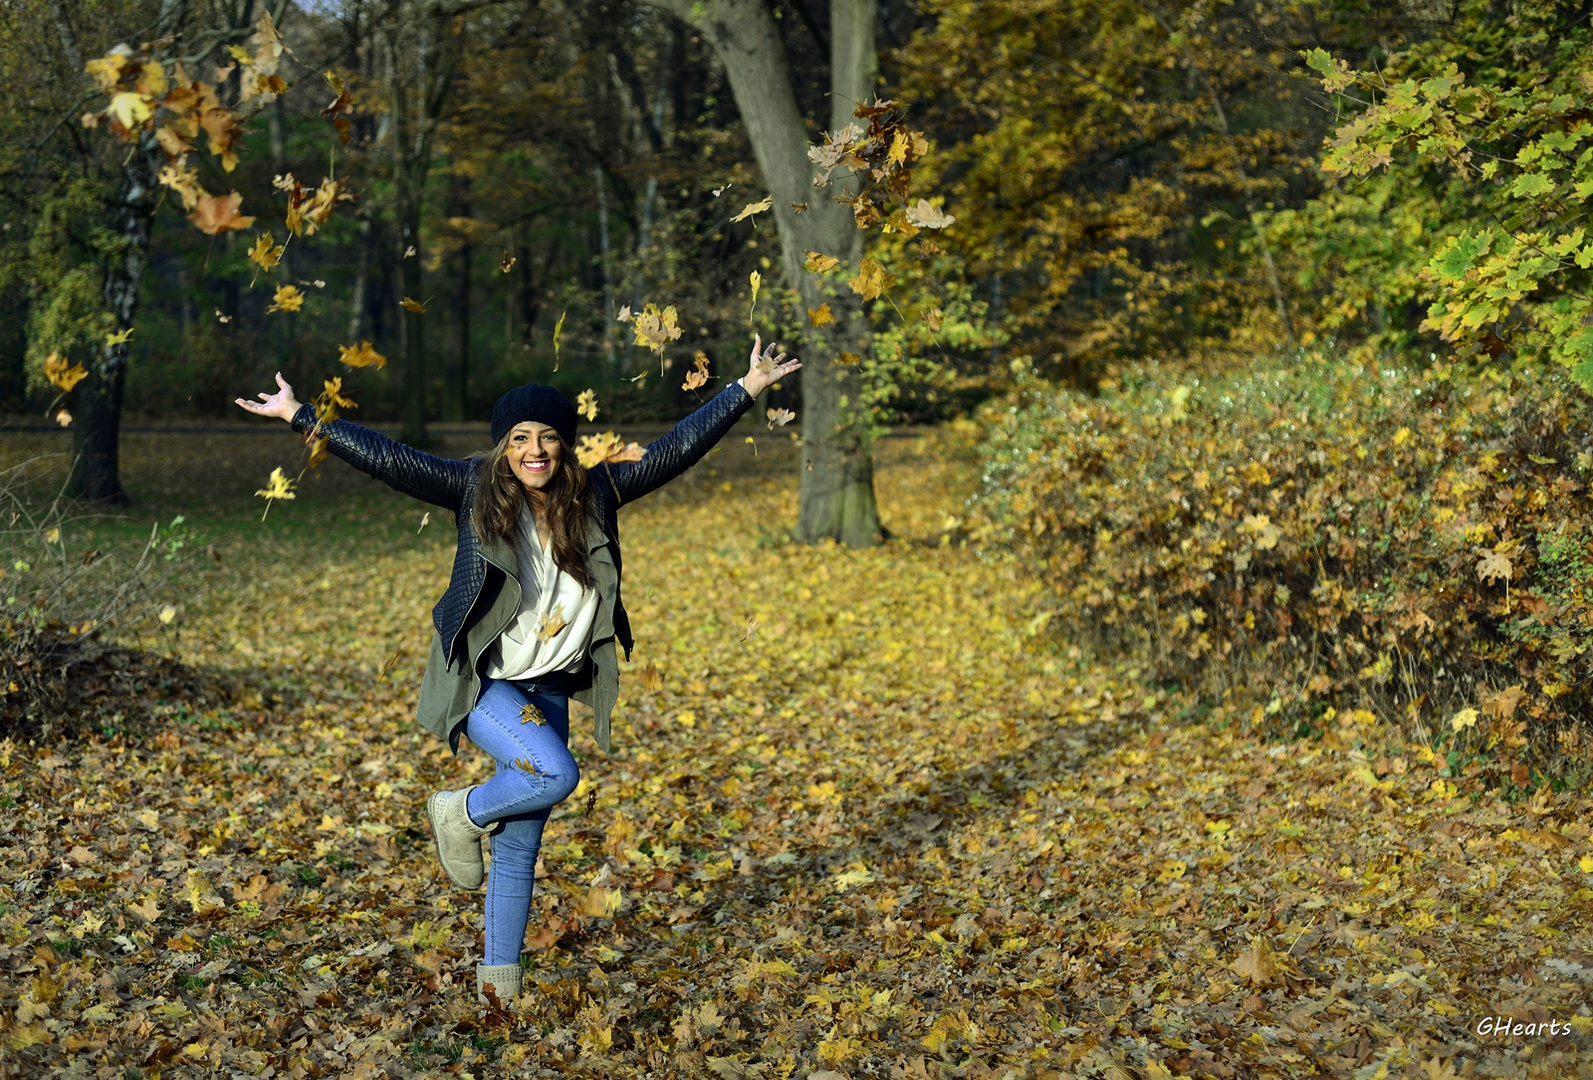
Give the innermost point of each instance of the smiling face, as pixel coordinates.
(534, 453)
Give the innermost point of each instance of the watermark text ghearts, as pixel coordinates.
(1509, 1025)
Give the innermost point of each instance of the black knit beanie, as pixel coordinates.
(536, 403)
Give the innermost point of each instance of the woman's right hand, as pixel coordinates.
(281, 404)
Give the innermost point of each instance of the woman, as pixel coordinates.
(530, 618)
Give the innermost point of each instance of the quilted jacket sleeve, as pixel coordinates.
(431, 479)
(682, 447)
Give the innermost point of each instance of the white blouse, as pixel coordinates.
(554, 625)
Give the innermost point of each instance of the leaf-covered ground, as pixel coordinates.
(864, 827)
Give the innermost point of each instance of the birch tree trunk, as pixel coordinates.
(837, 494)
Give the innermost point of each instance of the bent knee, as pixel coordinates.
(564, 782)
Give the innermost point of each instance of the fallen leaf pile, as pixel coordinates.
(892, 834)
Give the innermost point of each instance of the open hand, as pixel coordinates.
(281, 404)
(765, 368)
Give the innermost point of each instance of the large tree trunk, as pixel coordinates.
(98, 421)
(837, 494)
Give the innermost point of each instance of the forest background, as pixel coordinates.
(1272, 318)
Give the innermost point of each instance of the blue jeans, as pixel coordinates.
(518, 799)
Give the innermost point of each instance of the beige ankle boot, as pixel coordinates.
(504, 980)
(458, 838)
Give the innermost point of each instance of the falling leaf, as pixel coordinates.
(586, 404)
(64, 418)
(409, 251)
(53, 536)
(752, 628)
(926, 216)
(360, 355)
(897, 154)
(558, 331)
(222, 318)
(167, 614)
(818, 263)
(388, 665)
(698, 375)
(628, 453)
(412, 305)
(780, 418)
(754, 279)
(820, 316)
(654, 329)
(810, 465)
(652, 678)
(278, 486)
(340, 108)
(849, 358)
(624, 314)
(593, 450)
(754, 208)
(722, 188)
(216, 214)
(871, 280)
(130, 109)
(183, 180)
(599, 903)
(933, 318)
(798, 207)
(506, 263)
(61, 375)
(266, 253)
(286, 298)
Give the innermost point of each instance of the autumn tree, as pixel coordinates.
(837, 493)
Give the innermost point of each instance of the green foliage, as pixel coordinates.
(65, 278)
(1464, 176)
(1332, 536)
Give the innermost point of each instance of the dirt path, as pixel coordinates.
(867, 826)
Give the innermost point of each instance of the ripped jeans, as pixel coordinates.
(535, 773)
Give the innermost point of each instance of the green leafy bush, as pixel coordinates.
(1322, 543)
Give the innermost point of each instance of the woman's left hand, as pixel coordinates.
(765, 368)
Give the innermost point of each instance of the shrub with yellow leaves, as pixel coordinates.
(1321, 538)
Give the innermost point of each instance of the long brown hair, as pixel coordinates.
(500, 496)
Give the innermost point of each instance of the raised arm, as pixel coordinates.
(686, 443)
(431, 479)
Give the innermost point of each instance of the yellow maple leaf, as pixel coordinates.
(266, 253)
(655, 329)
(698, 375)
(277, 487)
(61, 374)
(286, 298)
(754, 208)
(409, 304)
(119, 338)
(821, 315)
(897, 154)
(361, 355)
(586, 404)
(871, 280)
(818, 263)
(130, 109)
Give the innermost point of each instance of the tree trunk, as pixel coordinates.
(98, 420)
(457, 375)
(837, 493)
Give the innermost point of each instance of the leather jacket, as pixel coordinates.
(482, 573)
